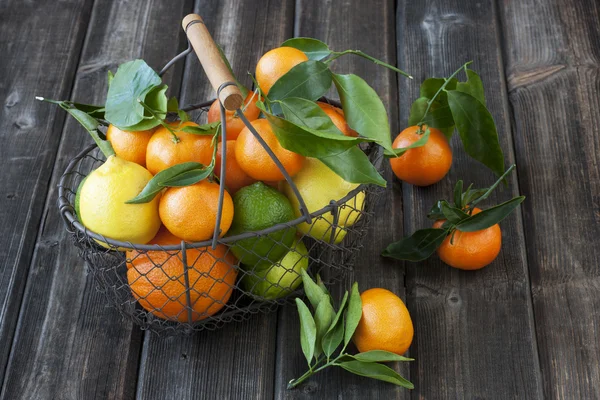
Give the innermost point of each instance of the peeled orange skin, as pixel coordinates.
(276, 63)
(337, 117)
(385, 323)
(255, 160)
(425, 165)
(130, 146)
(233, 123)
(157, 281)
(235, 177)
(164, 151)
(470, 250)
(190, 212)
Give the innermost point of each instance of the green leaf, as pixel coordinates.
(324, 316)
(308, 80)
(417, 247)
(418, 143)
(486, 192)
(452, 214)
(156, 184)
(363, 109)
(472, 195)
(473, 86)
(379, 356)
(489, 217)
(133, 81)
(308, 331)
(353, 314)
(313, 48)
(321, 284)
(354, 166)
(458, 190)
(307, 113)
(335, 334)
(110, 77)
(477, 130)
(431, 86)
(157, 101)
(376, 371)
(189, 177)
(203, 130)
(438, 116)
(338, 152)
(436, 211)
(91, 126)
(173, 105)
(314, 293)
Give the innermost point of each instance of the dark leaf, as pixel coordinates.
(313, 48)
(473, 86)
(376, 371)
(335, 334)
(489, 217)
(157, 101)
(477, 130)
(354, 166)
(379, 356)
(353, 314)
(308, 80)
(431, 86)
(417, 247)
(91, 126)
(436, 211)
(486, 192)
(314, 293)
(307, 113)
(242, 88)
(173, 105)
(452, 214)
(203, 130)
(363, 109)
(189, 177)
(458, 189)
(308, 331)
(324, 316)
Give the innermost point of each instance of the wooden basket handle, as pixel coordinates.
(210, 57)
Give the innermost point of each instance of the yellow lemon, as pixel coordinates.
(102, 204)
(318, 185)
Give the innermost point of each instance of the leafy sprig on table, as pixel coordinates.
(325, 330)
(459, 217)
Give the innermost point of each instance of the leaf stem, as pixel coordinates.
(160, 120)
(337, 54)
(430, 102)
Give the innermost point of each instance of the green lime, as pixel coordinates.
(258, 207)
(281, 278)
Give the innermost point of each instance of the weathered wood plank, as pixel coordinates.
(368, 26)
(552, 58)
(474, 331)
(29, 131)
(236, 361)
(68, 343)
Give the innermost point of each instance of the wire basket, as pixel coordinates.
(185, 287)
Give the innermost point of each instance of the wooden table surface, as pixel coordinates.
(527, 326)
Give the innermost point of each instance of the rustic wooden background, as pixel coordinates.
(527, 326)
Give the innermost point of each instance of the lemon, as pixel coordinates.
(318, 185)
(281, 278)
(102, 207)
(258, 207)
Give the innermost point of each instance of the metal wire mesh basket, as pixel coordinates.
(184, 287)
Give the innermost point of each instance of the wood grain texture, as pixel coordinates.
(236, 361)
(474, 330)
(68, 343)
(552, 58)
(368, 26)
(30, 132)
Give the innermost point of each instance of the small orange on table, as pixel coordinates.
(130, 146)
(166, 148)
(157, 280)
(425, 165)
(470, 250)
(233, 123)
(385, 323)
(190, 212)
(276, 63)
(255, 160)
